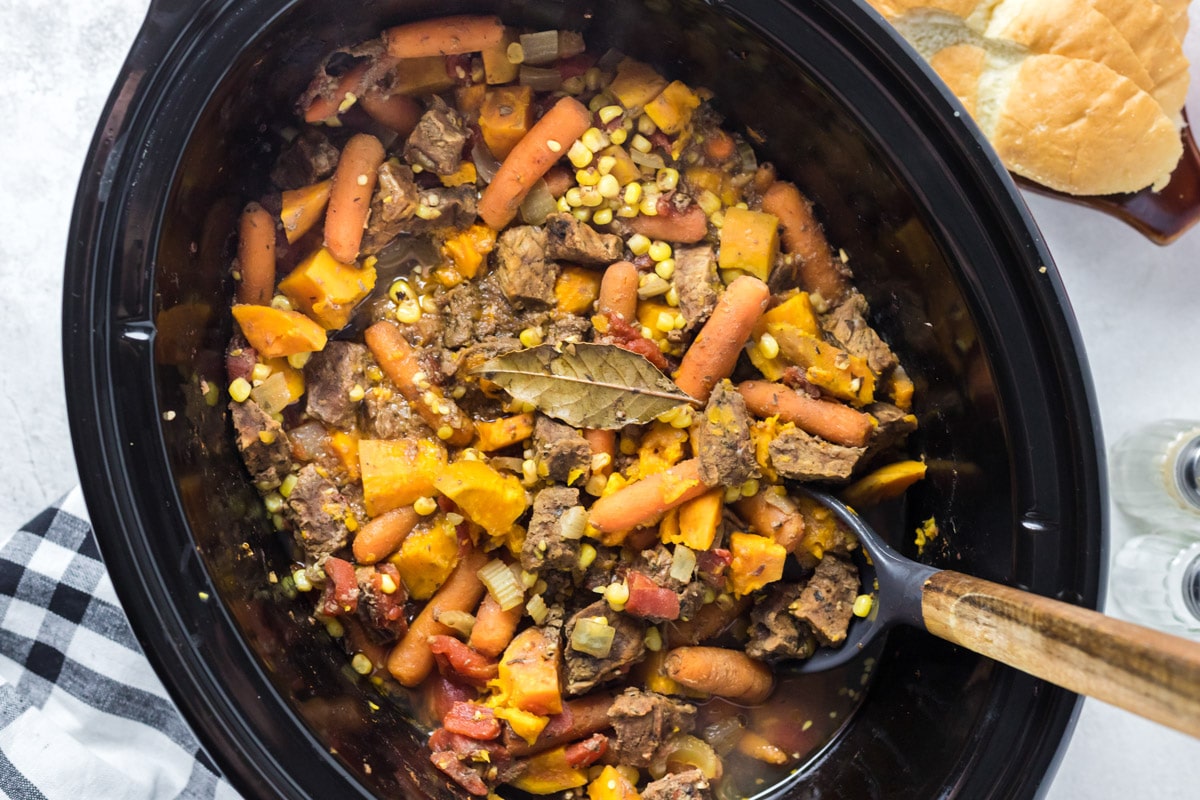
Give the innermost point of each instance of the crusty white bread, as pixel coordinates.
(1083, 96)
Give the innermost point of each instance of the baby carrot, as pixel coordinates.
(398, 111)
(802, 236)
(256, 255)
(712, 356)
(643, 501)
(725, 673)
(772, 513)
(326, 106)
(538, 150)
(411, 660)
(383, 535)
(579, 718)
(838, 423)
(688, 227)
(350, 197)
(710, 621)
(398, 361)
(494, 627)
(618, 291)
(444, 36)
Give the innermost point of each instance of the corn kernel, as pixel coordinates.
(300, 578)
(653, 640)
(587, 555)
(444, 432)
(563, 206)
(239, 390)
(646, 126)
(273, 502)
(529, 471)
(608, 186)
(665, 321)
(408, 312)
(334, 627)
(652, 286)
(603, 216)
(609, 113)
(666, 179)
(387, 584)
(680, 322)
(356, 393)
(579, 154)
(618, 136)
(617, 595)
(683, 418)
(594, 140)
(641, 143)
(574, 197)
(298, 360)
(260, 373)
(659, 251)
(592, 79)
(633, 194)
(281, 302)
(862, 605)
(595, 485)
(531, 337)
(768, 346)
(554, 146)
(288, 484)
(709, 203)
(750, 488)
(638, 244)
(717, 218)
(605, 164)
(649, 206)
(592, 197)
(374, 373)
(425, 506)
(361, 664)
(743, 206)
(627, 446)
(733, 494)
(583, 214)
(665, 268)
(598, 102)
(627, 211)
(587, 178)
(574, 85)
(515, 53)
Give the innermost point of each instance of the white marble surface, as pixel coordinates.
(1136, 305)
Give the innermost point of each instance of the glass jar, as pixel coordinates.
(1156, 581)
(1156, 472)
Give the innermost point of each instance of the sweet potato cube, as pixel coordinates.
(672, 110)
(550, 773)
(749, 242)
(696, 522)
(529, 673)
(757, 561)
(884, 483)
(636, 83)
(302, 209)
(417, 76)
(326, 289)
(397, 472)
(487, 497)
(427, 557)
(505, 117)
(496, 66)
(275, 332)
(576, 290)
(504, 432)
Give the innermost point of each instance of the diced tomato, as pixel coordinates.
(459, 772)
(624, 335)
(648, 599)
(442, 693)
(472, 720)
(458, 659)
(341, 592)
(587, 752)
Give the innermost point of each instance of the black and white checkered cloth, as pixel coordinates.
(82, 714)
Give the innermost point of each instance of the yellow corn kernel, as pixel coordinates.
(646, 126)
(768, 346)
(288, 484)
(617, 595)
(709, 203)
(638, 244)
(640, 143)
(425, 506)
(618, 136)
(582, 214)
(387, 584)
(665, 267)
(603, 216)
(298, 360)
(649, 206)
(653, 640)
(591, 196)
(587, 554)
(862, 605)
(665, 322)
(659, 251)
(626, 211)
(361, 664)
(239, 390)
(666, 179)
(633, 194)
(408, 312)
(563, 205)
(281, 302)
(605, 164)
(587, 177)
(531, 337)
(608, 186)
(300, 578)
(672, 297)
(579, 154)
(574, 197)
(609, 113)
(594, 140)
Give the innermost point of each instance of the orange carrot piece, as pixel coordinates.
(398, 361)
(710, 621)
(830, 420)
(444, 36)
(688, 227)
(256, 255)
(718, 146)
(725, 673)
(618, 291)
(643, 501)
(579, 718)
(602, 442)
(396, 111)
(494, 627)
(714, 353)
(350, 197)
(772, 513)
(546, 142)
(326, 106)
(411, 660)
(802, 236)
(383, 535)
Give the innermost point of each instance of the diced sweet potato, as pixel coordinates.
(550, 772)
(505, 116)
(695, 523)
(636, 83)
(672, 110)
(397, 473)
(302, 209)
(468, 249)
(576, 290)
(504, 432)
(487, 497)
(749, 242)
(612, 785)
(326, 289)
(426, 558)
(425, 75)
(839, 374)
(275, 332)
(884, 483)
(529, 670)
(757, 561)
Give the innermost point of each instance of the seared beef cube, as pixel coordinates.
(545, 546)
(380, 609)
(442, 207)
(264, 445)
(524, 275)
(655, 563)
(802, 457)
(318, 514)
(308, 159)
(387, 415)
(568, 239)
(774, 632)
(461, 310)
(473, 357)
(568, 328)
(436, 144)
(827, 602)
(642, 721)
(847, 324)
(393, 205)
(563, 450)
(332, 378)
(894, 424)
(585, 672)
(696, 281)
(690, 785)
(724, 446)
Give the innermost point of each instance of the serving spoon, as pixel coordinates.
(1144, 671)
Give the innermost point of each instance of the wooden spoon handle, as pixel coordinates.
(1144, 671)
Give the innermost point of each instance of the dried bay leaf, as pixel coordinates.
(587, 385)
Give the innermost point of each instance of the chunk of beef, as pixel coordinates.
(803, 457)
(473, 357)
(387, 415)
(827, 602)
(436, 144)
(380, 609)
(774, 632)
(642, 721)
(462, 308)
(264, 445)
(690, 785)
(695, 281)
(585, 672)
(847, 324)
(568, 239)
(563, 450)
(480, 310)
(894, 425)
(567, 328)
(523, 273)
(545, 546)
(394, 204)
(332, 378)
(309, 158)
(318, 514)
(724, 446)
(442, 207)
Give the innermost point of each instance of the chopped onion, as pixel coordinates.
(541, 79)
(538, 204)
(723, 735)
(501, 584)
(746, 153)
(460, 621)
(272, 394)
(653, 160)
(540, 48)
(573, 523)
(485, 163)
(594, 636)
(683, 564)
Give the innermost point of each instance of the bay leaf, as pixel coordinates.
(587, 385)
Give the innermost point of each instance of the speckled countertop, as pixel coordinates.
(57, 64)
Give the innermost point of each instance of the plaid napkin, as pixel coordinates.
(82, 714)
